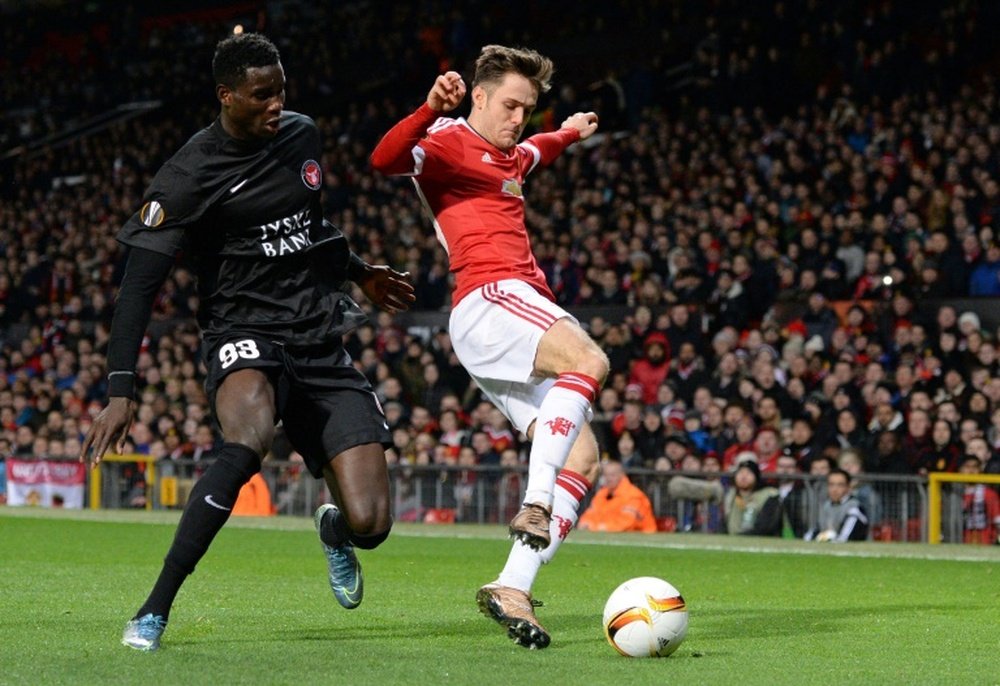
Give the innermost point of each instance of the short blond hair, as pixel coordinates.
(848, 456)
(495, 61)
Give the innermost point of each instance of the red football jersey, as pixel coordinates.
(473, 192)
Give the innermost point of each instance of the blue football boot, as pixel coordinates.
(346, 582)
(144, 633)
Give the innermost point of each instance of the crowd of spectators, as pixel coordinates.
(767, 240)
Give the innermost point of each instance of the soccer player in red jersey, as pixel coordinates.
(529, 356)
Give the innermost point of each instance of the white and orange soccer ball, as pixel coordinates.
(645, 617)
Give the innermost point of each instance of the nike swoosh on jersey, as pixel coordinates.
(217, 506)
(238, 186)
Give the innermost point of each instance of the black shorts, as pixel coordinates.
(324, 403)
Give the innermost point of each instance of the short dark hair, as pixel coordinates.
(841, 472)
(496, 60)
(238, 53)
(803, 419)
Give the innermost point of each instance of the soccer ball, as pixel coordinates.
(645, 617)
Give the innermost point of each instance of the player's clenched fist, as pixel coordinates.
(447, 92)
(584, 122)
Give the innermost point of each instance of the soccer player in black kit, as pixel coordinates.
(242, 200)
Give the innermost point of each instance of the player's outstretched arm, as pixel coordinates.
(386, 288)
(575, 128)
(394, 153)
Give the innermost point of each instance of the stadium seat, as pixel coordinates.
(440, 515)
(666, 524)
(885, 532)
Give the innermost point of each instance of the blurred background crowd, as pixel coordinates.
(784, 237)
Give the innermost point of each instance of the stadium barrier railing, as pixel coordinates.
(944, 516)
(128, 480)
(898, 506)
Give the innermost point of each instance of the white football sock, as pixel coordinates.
(562, 414)
(523, 563)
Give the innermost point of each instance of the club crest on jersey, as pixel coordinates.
(152, 214)
(312, 175)
(512, 187)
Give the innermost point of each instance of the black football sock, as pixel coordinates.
(207, 510)
(333, 529)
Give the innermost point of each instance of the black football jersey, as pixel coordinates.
(248, 217)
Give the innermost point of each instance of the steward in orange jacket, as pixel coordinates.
(618, 505)
(254, 499)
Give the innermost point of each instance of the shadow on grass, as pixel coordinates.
(785, 621)
(576, 629)
(566, 632)
(776, 622)
(403, 630)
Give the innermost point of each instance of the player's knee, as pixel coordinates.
(245, 408)
(594, 363)
(369, 521)
(586, 465)
(591, 471)
(584, 458)
(368, 541)
(256, 435)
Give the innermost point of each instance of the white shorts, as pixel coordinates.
(495, 331)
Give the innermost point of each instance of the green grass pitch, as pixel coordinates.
(258, 610)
